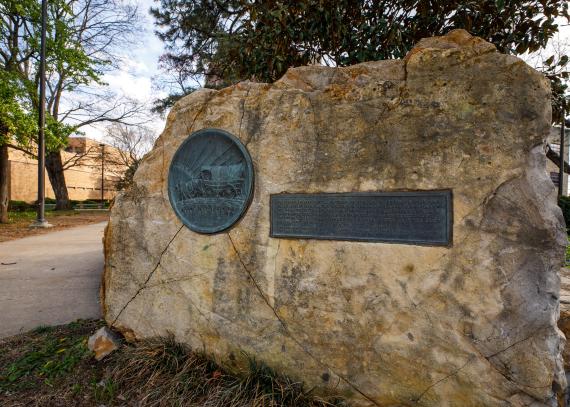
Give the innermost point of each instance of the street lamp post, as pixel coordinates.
(40, 221)
(561, 186)
(102, 175)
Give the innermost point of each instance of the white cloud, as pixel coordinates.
(133, 78)
(133, 86)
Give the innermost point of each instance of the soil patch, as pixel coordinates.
(19, 222)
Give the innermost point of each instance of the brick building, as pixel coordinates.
(83, 159)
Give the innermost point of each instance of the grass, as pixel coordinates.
(53, 367)
(164, 373)
(48, 366)
(18, 216)
(54, 357)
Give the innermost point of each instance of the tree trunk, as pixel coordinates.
(555, 158)
(54, 167)
(4, 183)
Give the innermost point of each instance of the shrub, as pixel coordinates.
(20, 206)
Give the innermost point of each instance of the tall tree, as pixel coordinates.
(86, 40)
(17, 129)
(131, 143)
(83, 42)
(19, 42)
(233, 40)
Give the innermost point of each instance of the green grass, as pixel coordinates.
(51, 366)
(45, 360)
(15, 216)
(104, 391)
(54, 359)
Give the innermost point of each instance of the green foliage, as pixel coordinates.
(46, 361)
(66, 54)
(15, 216)
(17, 123)
(20, 206)
(232, 40)
(18, 209)
(42, 329)
(80, 36)
(57, 134)
(49, 366)
(162, 105)
(104, 391)
(20, 43)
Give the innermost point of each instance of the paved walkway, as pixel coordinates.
(50, 279)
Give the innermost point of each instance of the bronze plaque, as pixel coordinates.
(421, 218)
(210, 181)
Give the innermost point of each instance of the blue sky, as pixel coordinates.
(138, 67)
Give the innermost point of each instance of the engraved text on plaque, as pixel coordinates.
(422, 217)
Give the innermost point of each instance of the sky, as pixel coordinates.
(140, 65)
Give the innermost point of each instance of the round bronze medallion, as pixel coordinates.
(210, 181)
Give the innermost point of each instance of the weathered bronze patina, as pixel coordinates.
(423, 217)
(210, 181)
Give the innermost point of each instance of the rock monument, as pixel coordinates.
(395, 239)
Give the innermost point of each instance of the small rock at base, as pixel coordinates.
(103, 342)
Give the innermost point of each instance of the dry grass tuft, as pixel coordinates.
(52, 367)
(164, 373)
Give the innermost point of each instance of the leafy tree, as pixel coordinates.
(83, 39)
(17, 118)
(17, 124)
(225, 41)
(17, 129)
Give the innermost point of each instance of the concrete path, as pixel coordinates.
(50, 279)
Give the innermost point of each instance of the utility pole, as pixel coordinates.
(40, 221)
(102, 175)
(561, 185)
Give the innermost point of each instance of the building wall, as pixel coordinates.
(83, 180)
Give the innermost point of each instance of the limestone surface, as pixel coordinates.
(469, 324)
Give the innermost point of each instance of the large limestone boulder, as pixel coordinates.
(471, 324)
(564, 320)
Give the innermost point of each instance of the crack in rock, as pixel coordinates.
(148, 277)
(288, 332)
(455, 372)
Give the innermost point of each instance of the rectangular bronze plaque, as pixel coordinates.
(423, 217)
